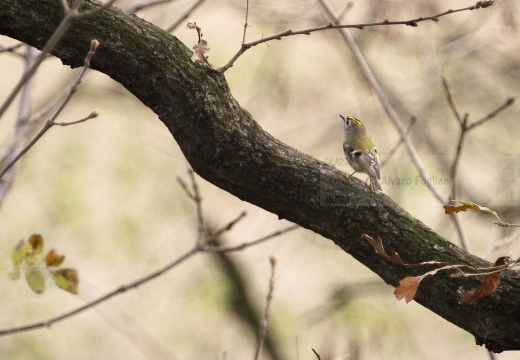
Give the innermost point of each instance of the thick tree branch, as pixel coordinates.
(227, 147)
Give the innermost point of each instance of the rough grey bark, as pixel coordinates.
(224, 145)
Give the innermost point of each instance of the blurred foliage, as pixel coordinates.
(105, 190)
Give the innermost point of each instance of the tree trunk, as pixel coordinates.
(224, 145)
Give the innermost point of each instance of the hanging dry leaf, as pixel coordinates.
(489, 284)
(468, 205)
(408, 288)
(199, 50)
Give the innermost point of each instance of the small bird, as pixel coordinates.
(360, 151)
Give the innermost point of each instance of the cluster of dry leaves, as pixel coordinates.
(490, 276)
(30, 253)
(408, 286)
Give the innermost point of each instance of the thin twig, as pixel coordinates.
(465, 127)
(228, 227)
(184, 16)
(396, 147)
(492, 114)
(10, 48)
(251, 243)
(337, 25)
(56, 36)
(451, 102)
(70, 15)
(185, 188)
(462, 121)
(51, 122)
(273, 259)
(315, 353)
(141, 6)
(198, 205)
(500, 243)
(21, 127)
(245, 23)
(92, 115)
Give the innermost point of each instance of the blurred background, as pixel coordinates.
(105, 194)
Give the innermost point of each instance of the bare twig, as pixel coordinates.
(92, 115)
(24, 112)
(52, 121)
(56, 36)
(450, 100)
(492, 114)
(337, 25)
(501, 243)
(10, 48)
(316, 353)
(503, 224)
(184, 16)
(273, 259)
(144, 5)
(198, 204)
(396, 147)
(185, 188)
(465, 127)
(71, 13)
(219, 232)
(245, 23)
(251, 243)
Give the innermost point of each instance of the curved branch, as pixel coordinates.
(224, 144)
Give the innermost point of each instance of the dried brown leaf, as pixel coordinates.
(199, 50)
(379, 248)
(408, 288)
(489, 284)
(468, 205)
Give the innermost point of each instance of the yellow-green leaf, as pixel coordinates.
(67, 279)
(18, 254)
(35, 280)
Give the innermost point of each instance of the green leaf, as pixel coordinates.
(35, 280)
